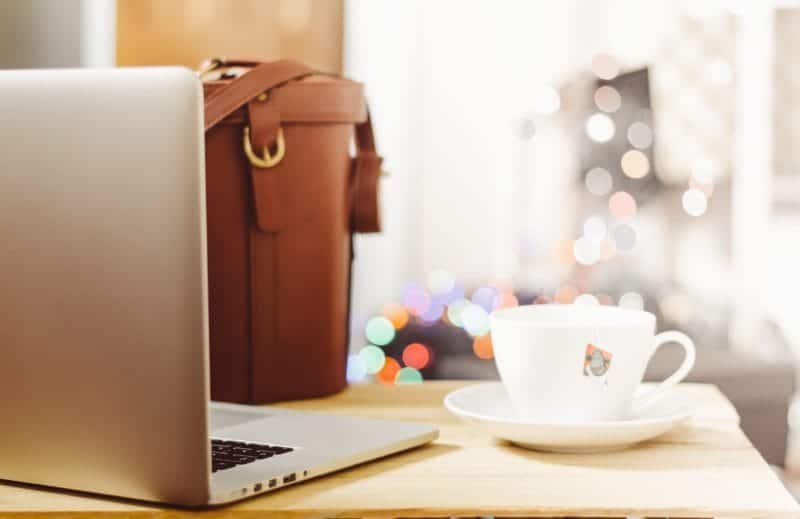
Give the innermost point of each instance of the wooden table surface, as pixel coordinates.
(706, 468)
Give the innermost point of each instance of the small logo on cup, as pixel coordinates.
(596, 362)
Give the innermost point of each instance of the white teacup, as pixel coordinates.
(576, 363)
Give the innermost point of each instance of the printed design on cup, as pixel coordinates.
(596, 362)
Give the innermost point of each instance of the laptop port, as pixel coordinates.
(290, 478)
(257, 487)
(273, 482)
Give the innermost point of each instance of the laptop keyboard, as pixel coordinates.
(226, 454)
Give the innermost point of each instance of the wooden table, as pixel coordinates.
(705, 469)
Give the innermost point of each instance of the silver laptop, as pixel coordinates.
(103, 309)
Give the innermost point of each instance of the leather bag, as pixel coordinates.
(284, 195)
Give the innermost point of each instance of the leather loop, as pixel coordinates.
(365, 203)
(365, 136)
(264, 120)
(241, 90)
(264, 124)
(365, 198)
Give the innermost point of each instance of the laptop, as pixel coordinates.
(104, 379)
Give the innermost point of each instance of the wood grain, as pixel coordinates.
(706, 468)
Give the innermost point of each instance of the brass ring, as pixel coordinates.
(210, 65)
(269, 160)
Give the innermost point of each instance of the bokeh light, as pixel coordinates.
(546, 100)
(598, 181)
(566, 294)
(676, 307)
(635, 164)
(605, 299)
(600, 128)
(586, 300)
(380, 331)
(706, 188)
(485, 297)
(482, 347)
(389, 371)
(506, 299)
(622, 206)
(587, 252)
(624, 237)
(416, 299)
(607, 249)
(373, 359)
(454, 311)
(694, 202)
(501, 285)
(408, 376)
(356, 372)
(455, 293)
(564, 252)
(440, 281)
(705, 170)
(434, 312)
(632, 300)
(607, 99)
(640, 135)
(605, 66)
(594, 228)
(475, 319)
(396, 314)
(416, 355)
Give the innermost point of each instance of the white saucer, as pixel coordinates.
(488, 406)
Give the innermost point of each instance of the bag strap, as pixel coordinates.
(237, 93)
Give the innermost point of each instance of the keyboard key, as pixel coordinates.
(281, 450)
(226, 454)
(245, 451)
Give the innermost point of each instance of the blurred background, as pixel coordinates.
(641, 154)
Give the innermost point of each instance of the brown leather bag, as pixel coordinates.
(284, 196)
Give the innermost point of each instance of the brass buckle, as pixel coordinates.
(209, 66)
(269, 160)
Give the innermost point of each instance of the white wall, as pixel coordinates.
(446, 81)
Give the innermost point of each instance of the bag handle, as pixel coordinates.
(364, 199)
(237, 93)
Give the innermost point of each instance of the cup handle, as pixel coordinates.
(644, 401)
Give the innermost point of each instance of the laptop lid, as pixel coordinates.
(103, 308)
